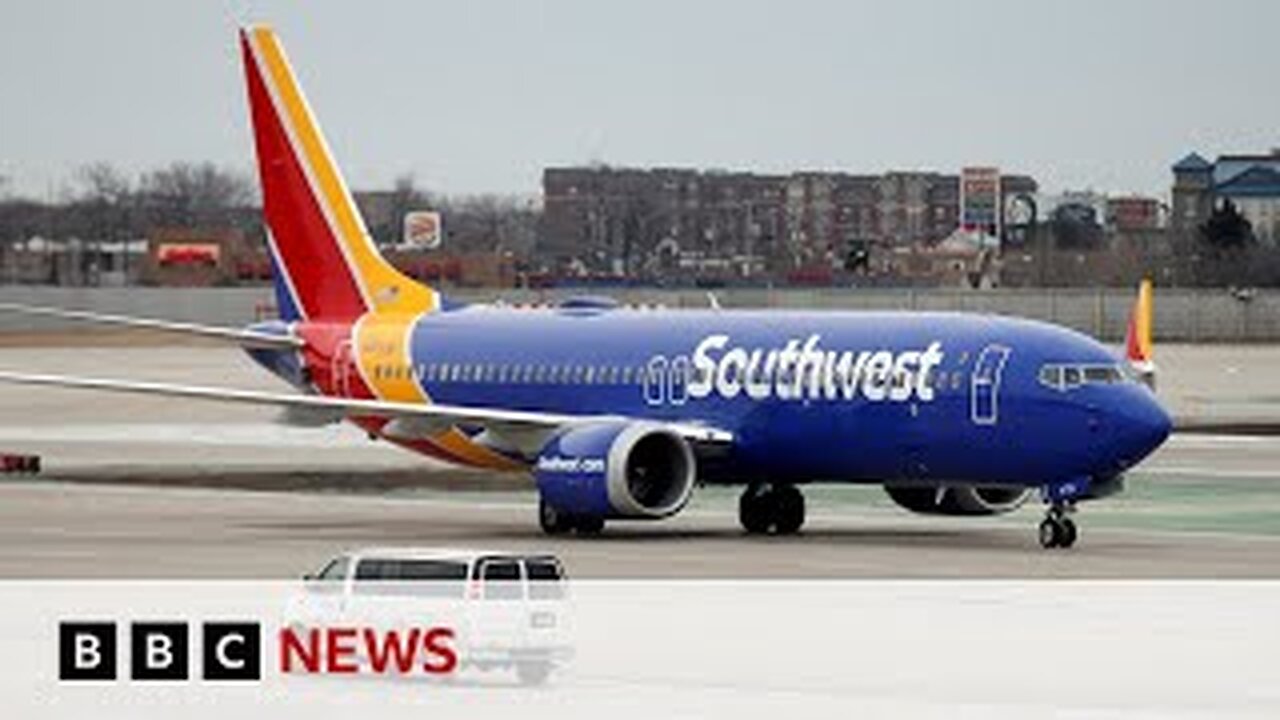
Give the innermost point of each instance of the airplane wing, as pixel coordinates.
(410, 417)
(246, 338)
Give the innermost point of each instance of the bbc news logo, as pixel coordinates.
(161, 651)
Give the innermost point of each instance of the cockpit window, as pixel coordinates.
(1071, 376)
(1105, 374)
(1051, 375)
(1068, 376)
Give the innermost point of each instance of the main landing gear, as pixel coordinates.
(764, 508)
(555, 522)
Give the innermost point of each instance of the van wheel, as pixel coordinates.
(533, 673)
(552, 521)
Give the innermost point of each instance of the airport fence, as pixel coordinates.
(1183, 315)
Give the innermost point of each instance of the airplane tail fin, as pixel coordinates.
(324, 262)
(1137, 341)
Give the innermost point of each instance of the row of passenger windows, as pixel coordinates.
(512, 374)
(603, 374)
(1062, 376)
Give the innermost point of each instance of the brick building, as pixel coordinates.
(650, 223)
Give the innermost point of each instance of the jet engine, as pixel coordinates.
(958, 499)
(616, 469)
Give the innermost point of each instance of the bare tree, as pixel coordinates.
(189, 194)
(102, 209)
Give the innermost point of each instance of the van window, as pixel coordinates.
(427, 578)
(501, 580)
(545, 576)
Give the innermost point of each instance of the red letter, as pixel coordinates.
(341, 657)
(290, 646)
(378, 654)
(438, 642)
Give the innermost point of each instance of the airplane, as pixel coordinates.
(619, 412)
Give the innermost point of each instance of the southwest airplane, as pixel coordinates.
(619, 412)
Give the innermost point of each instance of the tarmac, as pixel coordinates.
(153, 488)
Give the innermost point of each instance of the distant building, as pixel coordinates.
(193, 257)
(653, 223)
(1251, 182)
(1133, 212)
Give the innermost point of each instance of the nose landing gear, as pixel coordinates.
(1057, 530)
(778, 508)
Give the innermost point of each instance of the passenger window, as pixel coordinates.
(501, 580)
(370, 569)
(430, 578)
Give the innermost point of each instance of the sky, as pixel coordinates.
(479, 96)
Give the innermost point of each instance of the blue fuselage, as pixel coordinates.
(812, 396)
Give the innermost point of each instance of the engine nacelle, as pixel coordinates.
(617, 469)
(958, 499)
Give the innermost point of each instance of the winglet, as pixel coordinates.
(1137, 341)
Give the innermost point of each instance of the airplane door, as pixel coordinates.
(340, 369)
(984, 398)
(655, 381)
(678, 385)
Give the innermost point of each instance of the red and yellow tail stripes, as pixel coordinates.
(1137, 340)
(327, 264)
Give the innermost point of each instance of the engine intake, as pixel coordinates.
(617, 469)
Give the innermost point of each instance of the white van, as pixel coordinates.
(508, 609)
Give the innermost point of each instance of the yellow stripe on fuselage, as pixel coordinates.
(386, 288)
(383, 347)
(386, 363)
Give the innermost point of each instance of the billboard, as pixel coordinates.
(980, 200)
(423, 230)
(188, 254)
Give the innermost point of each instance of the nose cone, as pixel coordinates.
(1141, 426)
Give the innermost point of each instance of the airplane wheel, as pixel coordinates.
(552, 521)
(589, 525)
(1069, 533)
(1050, 533)
(755, 509)
(788, 510)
